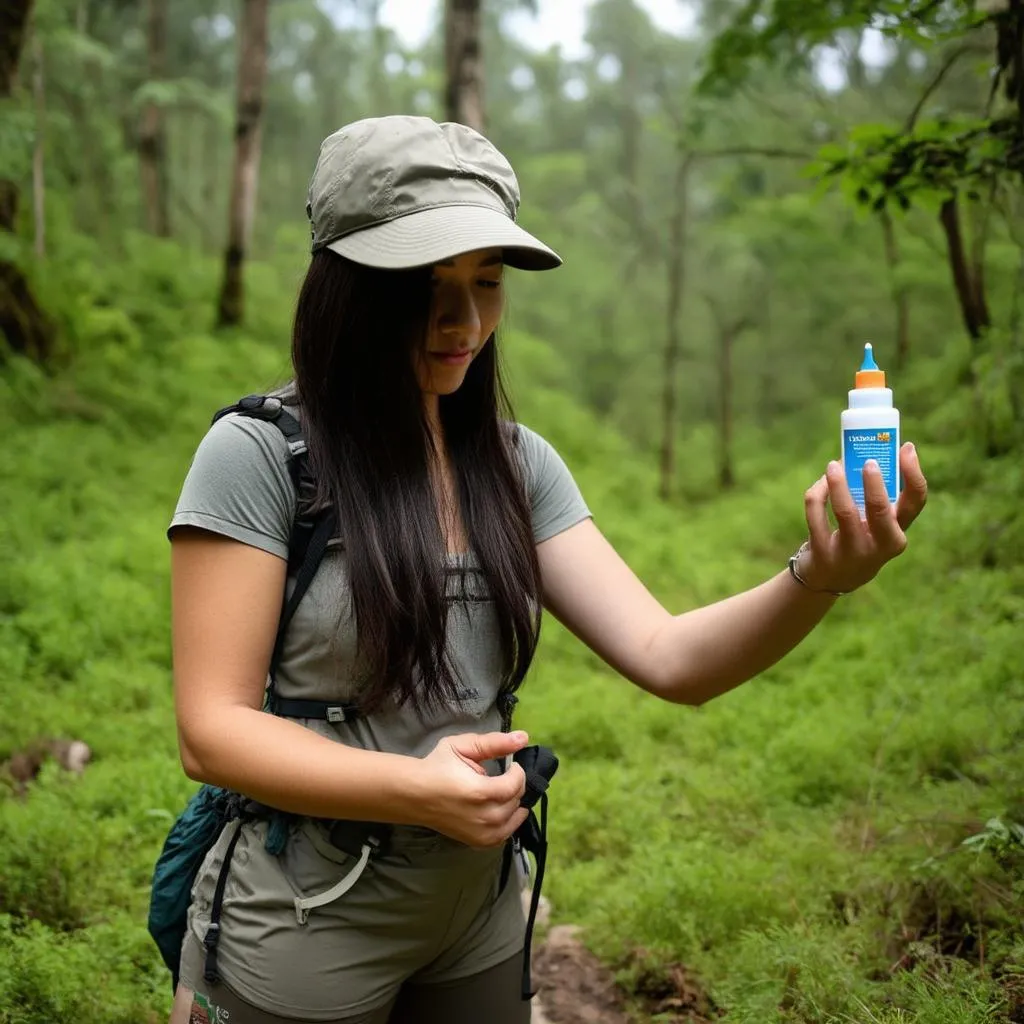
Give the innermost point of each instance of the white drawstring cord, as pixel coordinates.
(304, 906)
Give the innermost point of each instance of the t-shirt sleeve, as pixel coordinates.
(555, 499)
(238, 485)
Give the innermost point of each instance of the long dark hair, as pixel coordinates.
(354, 342)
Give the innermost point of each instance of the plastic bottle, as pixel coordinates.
(871, 430)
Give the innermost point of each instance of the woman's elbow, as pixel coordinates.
(685, 689)
(193, 761)
(190, 764)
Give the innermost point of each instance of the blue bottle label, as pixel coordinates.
(859, 446)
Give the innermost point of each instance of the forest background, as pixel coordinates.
(841, 840)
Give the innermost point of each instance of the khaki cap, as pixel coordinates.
(401, 191)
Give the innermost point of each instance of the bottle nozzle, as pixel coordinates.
(869, 375)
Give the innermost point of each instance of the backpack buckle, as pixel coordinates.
(336, 715)
(352, 836)
(265, 406)
(212, 936)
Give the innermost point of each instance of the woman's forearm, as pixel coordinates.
(710, 650)
(290, 767)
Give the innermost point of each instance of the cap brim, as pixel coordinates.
(441, 233)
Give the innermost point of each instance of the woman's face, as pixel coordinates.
(466, 304)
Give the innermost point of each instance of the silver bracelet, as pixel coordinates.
(794, 571)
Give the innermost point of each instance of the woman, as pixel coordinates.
(454, 528)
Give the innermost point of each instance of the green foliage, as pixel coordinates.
(17, 132)
(937, 161)
(185, 94)
(102, 975)
(998, 837)
(772, 29)
(740, 837)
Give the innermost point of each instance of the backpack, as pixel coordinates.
(212, 808)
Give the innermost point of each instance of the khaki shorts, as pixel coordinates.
(426, 911)
(494, 996)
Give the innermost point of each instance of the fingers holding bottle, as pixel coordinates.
(914, 495)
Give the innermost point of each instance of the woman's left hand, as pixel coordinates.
(844, 559)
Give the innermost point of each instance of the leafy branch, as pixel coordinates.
(788, 30)
(937, 160)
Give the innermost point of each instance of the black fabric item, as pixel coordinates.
(326, 711)
(507, 856)
(350, 836)
(539, 764)
(533, 835)
(212, 937)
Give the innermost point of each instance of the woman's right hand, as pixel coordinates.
(463, 801)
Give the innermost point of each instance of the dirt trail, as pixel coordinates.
(574, 987)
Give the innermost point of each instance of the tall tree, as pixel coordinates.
(464, 64)
(675, 265)
(152, 135)
(23, 323)
(379, 97)
(252, 73)
(39, 149)
(625, 41)
(733, 313)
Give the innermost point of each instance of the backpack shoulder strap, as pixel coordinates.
(307, 541)
(307, 544)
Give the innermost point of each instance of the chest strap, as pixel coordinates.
(325, 711)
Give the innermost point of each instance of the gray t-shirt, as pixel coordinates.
(239, 486)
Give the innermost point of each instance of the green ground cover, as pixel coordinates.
(799, 843)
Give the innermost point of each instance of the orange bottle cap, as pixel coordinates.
(870, 379)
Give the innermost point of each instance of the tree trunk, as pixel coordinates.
(210, 204)
(632, 134)
(464, 65)
(766, 364)
(379, 90)
(729, 329)
(726, 336)
(27, 330)
(152, 132)
(252, 71)
(902, 299)
(850, 46)
(38, 151)
(981, 228)
(676, 283)
(966, 288)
